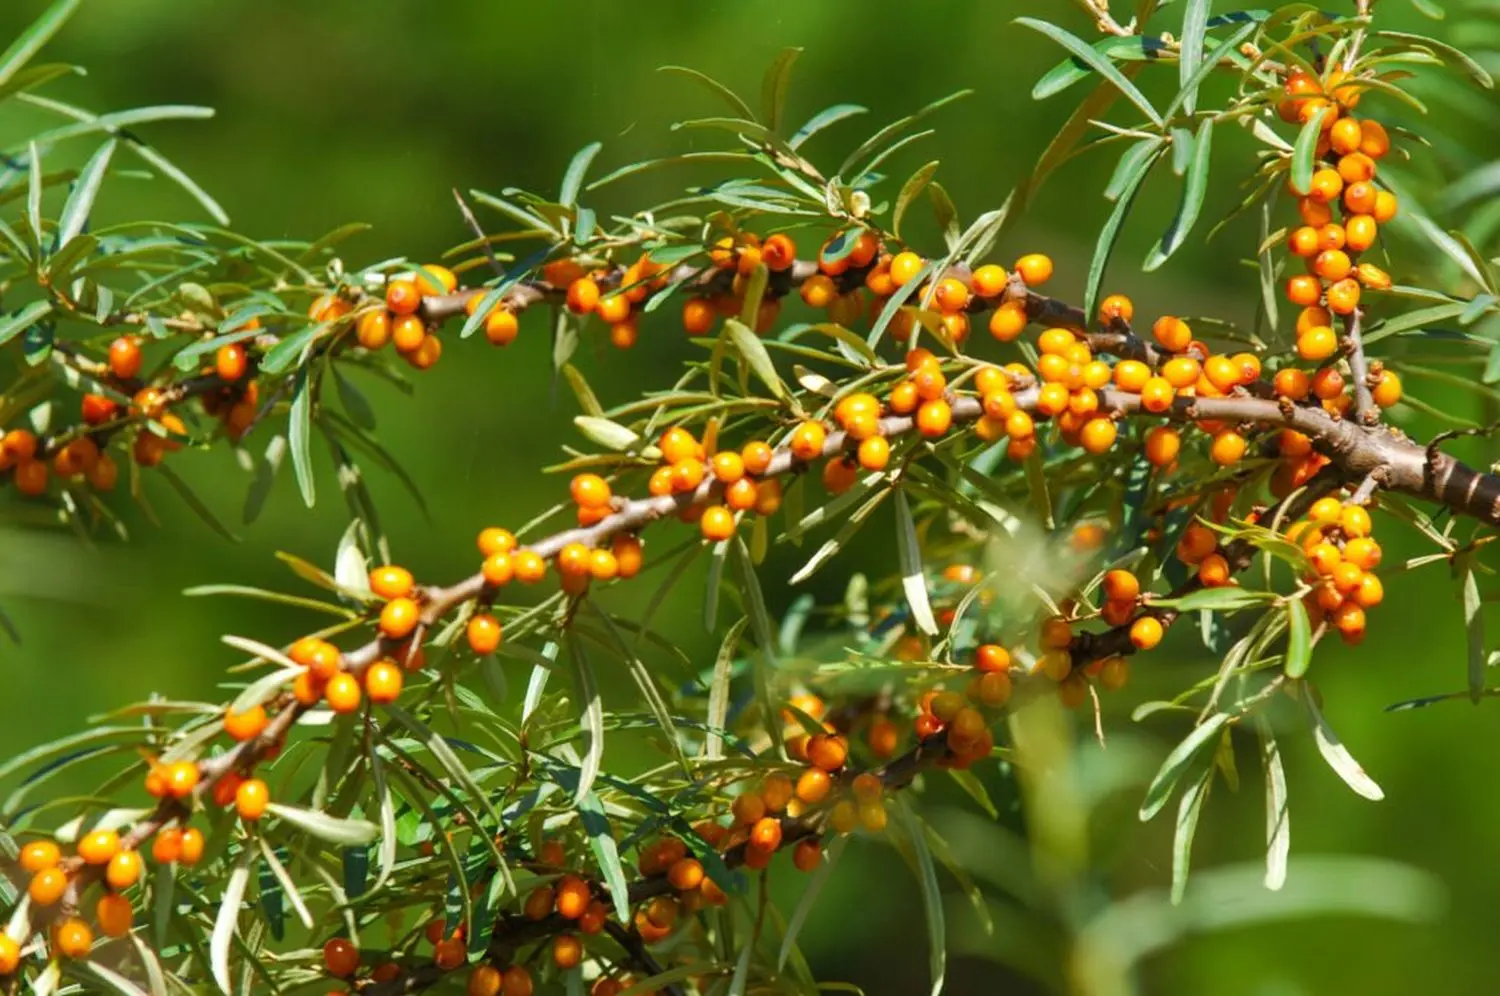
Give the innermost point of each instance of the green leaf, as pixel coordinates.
(1100, 64)
(824, 118)
(187, 358)
(1299, 639)
(721, 91)
(334, 829)
(773, 87)
(1278, 816)
(227, 919)
(946, 214)
(75, 213)
(1135, 166)
(112, 979)
(606, 852)
(386, 853)
(1193, 190)
(1473, 629)
(718, 690)
(1420, 318)
(1171, 770)
(30, 41)
(1041, 494)
(890, 131)
(288, 351)
(13, 325)
(172, 172)
(288, 885)
(614, 436)
(1063, 75)
(1188, 811)
(1189, 89)
(1337, 755)
(1304, 152)
(1472, 67)
(932, 896)
(749, 346)
(591, 719)
(573, 178)
(1190, 52)
(913, 579)
(1225, 599)
(581, 390)
(34, 196)
(909, 191)
(299, 434)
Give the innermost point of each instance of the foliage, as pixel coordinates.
(371, 788)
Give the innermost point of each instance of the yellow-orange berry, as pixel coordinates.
(1034, 268)
(114, 915)
(123, 870)
(399, 617)
(74, 939)
(342, 693)
(1145, 632)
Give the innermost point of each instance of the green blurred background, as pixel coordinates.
(372, 110)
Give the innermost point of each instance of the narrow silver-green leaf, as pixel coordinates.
(13, 325)
(913, 579)
(773, 87)
(226, 920)
(932, 896)
(1278, 816)
(1188, 811)
(1190, 50)
(30, 41)
(288, 886)
(1135, 166)
(591, 718)
(1474, 630)
(573, 179)
(1194, 188)
(75, 213)
(1304, 152)
(909, 190)
(1101, 65)
(334, 829)
(718, 690)
(606, 852)
(749, 346)
(1171, 770)
(1299, 639)
(1337, 755)
(299, 433)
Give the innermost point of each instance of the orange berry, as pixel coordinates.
(399, 617)
(717, 523)
(498, 569)
(191, 846)
(1034, 269)
(934, 418)
(904, 267)
(391, 581)
(125, 357)
(697, 316)
(1009, 321)
(484, 980)
(566, 951)
(484, 633)
(518, 981)
(449, 953)
(1227, 448)
(383, 682)
(990, 280)
(373, 329)
(808, 440)
(765, 834)
(1303, 289)
(1317, 343)
(1098, 435)
(582, 296)
(251, 799)
(47, 886)
(342, 693)
(402, 297)
(38, 855)
(1145, 632)
(74, 939)
(1162, 445)
(114, 915)
(167, 847)
(1116, 307)
(1343, 296)
(1387, 389)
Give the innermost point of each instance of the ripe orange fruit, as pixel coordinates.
(123, 870)
(399, 617)
(934, 418)
(484, 633)
(47, 886)
(402, 297)
(74, 939)
(251, 799)
(114, 915)
(125, 357)
(383, 682)
(717, 523)
(342, 693)
(1034, 268)
(1145, 632)
(39, 854)
(10, 958)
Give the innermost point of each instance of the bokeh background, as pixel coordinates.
(373, 110)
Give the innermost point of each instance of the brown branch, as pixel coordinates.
(1359, 370)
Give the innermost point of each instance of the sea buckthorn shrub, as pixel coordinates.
(372, 809)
